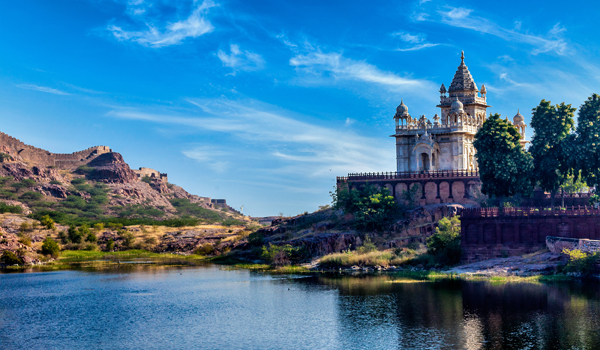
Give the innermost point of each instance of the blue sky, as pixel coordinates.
(264, 103)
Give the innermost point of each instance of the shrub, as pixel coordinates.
(91, 247)
(367, 246)
(128, 238)
(10, 258)
(74, 235)
(50, 247)
(84, 170)
(205, 249)
(55, 182)
(25, 240)
(281, 255)
(5, 208)
(31, 196)
(444, 244)
(91, 237)
(147, 179)
(99, 227)
(24, 227)
(64, 237)
(256, 238)
(581, 262)
(4, 157)
(110, 245)
(48, 222)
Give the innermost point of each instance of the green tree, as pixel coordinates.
(504, 166)
(74, 235)
(444, 244)
(48, 222)
(552, 135)
(10, 258)
(50, 247)
(91, 237)
(110, 245)
(373, 208)
(588, 140)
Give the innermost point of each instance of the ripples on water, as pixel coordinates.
(153, 307)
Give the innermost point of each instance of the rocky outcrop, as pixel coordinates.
(52, 190)
(138, 193)
(179, 192)
(111, 168)
(19, 171)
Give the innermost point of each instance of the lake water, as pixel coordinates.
(153, 307)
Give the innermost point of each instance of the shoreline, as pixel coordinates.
(76, 260)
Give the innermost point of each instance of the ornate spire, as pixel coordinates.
(442, 89)
(462, 78)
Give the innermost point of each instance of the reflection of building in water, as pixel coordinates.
(447, 143)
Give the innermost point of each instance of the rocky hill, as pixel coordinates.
(94, 185)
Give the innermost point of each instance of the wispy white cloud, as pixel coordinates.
(410, 38)
(42, 89)
(464, 18)
(298, 147)
(418, 47)
(174, 33)
(241, 60)
(209, 155)
(418, 40)
(338, 67)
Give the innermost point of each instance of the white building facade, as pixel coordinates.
(447, 143)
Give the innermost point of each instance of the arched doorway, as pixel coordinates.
(425, 163)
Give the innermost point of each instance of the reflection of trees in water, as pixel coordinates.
(373, 313)
(523, 315)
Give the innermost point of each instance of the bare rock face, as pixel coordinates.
(20, 171)
(179, 192)
(139, 193)
(159, 186)
(57, 191)
(111, 168)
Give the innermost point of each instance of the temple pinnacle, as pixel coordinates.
(462, 57)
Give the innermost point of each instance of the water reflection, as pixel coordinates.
(212, 308)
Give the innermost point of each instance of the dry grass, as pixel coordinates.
(377, 258)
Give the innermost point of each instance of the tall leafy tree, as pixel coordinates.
(588, 140)
(552, 130)
(504, 166)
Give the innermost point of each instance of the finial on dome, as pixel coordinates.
(462, 57)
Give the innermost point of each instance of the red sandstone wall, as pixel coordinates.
(523, 232)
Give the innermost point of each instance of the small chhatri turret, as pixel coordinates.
(443, 90)
(402, 109)
(519, 119)
(457, 106)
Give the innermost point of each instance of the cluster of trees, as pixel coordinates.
(373, 208)
(561, 155)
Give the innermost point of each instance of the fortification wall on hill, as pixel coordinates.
(45, 158)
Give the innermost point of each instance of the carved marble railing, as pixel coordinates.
(464, 99)
(401, 175)
(439, 128)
